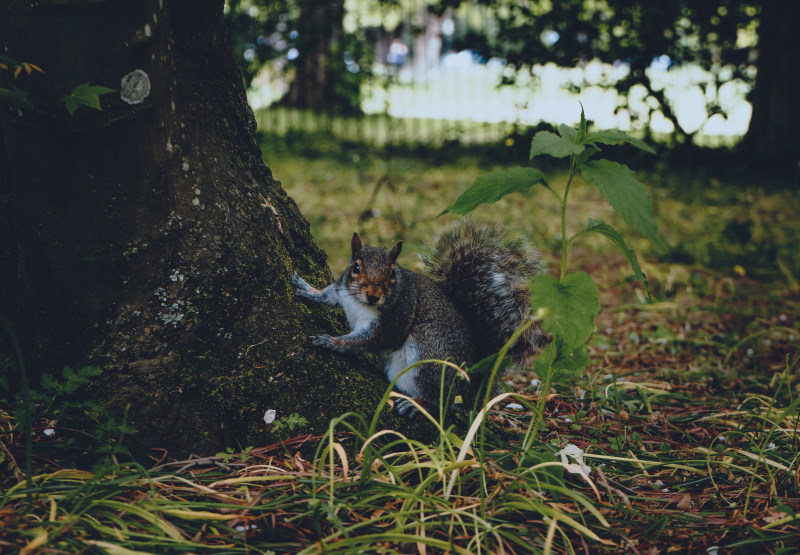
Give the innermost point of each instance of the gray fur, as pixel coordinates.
(413, 320)
(486, 274)
(475, 296)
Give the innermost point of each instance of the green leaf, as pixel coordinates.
(491, 187)
(590, 151)
(613, 137)
(546, 358)
(625, 194)
(571, 307)
(568, 133)
(569, 364)
(551, 144)
(15, 99)
(70, 104)
(608, 231)
(565, 363)
(84, 95)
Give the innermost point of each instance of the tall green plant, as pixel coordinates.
(569, 304)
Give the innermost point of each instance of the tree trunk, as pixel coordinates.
(772, 139)
(321, 83)
(150, 239)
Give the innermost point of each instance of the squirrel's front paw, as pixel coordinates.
(300, 284)
(322, 341)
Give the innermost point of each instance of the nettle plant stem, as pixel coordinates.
(564, 242)
(568, 305)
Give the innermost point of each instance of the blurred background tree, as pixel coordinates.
(732, 39)
(657, 60)
(303, 43)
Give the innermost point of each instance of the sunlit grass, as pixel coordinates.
(738, 227)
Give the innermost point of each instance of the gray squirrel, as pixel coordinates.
(474, 296)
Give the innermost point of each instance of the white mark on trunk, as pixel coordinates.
(135, 87)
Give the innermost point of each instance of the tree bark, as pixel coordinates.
(772, 140)
(150, 238)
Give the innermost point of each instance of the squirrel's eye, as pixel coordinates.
(356, 269)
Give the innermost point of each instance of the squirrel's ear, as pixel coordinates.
(395, 252)
(355, 245)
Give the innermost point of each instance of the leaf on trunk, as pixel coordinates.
(84, 95)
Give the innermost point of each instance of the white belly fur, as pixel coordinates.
(399, 360)
(359, 315)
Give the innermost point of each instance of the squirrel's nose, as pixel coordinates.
(373, 299)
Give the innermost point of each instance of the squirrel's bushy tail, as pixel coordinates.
(486, 274)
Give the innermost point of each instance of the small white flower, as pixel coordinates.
(514, 406)
(578, 467)
(49, 432)
(535, 382)
(245, 528)
(269, 416)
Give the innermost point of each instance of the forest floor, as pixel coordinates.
(687, 416)
(707, 373)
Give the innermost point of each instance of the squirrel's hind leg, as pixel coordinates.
(406, 408)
